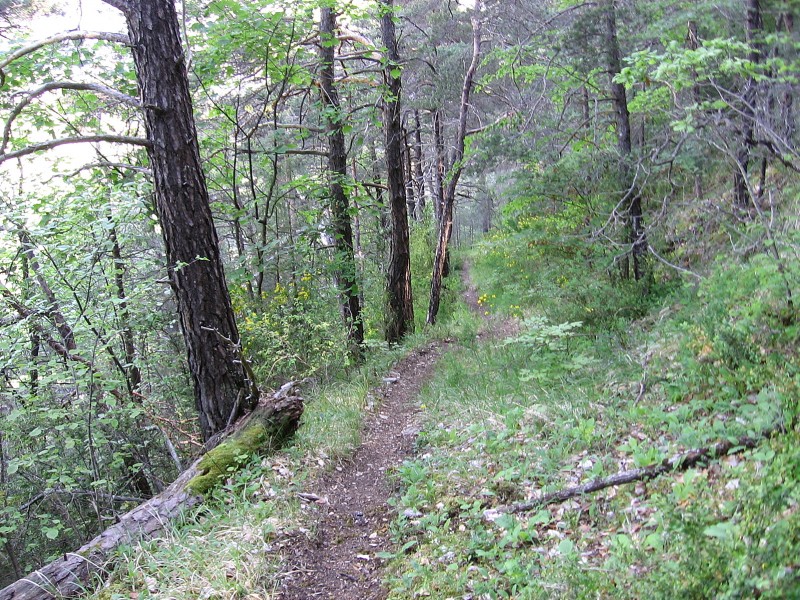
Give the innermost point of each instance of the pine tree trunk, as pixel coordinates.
(400, 313)
(637, 237)
(222, 385)
(446, 223)
(340, 206)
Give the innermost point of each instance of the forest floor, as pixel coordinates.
(350, 506)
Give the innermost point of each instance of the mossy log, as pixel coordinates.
(262, 431)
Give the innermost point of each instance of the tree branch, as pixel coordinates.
(299, 151)
(121, 5)
(116, 139)
(118, 38)
(679, 462)
(62, 85)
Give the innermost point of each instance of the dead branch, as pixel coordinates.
(118, 38)
(679, 462)
(62, 85)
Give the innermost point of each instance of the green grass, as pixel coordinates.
(561, 403)
(233, 545)
(598, 379)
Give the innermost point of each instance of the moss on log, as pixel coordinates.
(263, 431)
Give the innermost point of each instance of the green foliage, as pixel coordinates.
(79, 272)
(295, 333)
(563, 402)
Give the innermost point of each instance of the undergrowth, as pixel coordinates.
(603, 378)
(234, 545)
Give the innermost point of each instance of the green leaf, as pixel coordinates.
(566, 548)
(724, 530)
(36, 432)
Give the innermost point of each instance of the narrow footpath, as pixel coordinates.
(350, 505)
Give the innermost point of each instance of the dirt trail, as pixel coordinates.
(352, 514)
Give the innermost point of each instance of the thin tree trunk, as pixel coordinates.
(741, 185)
(637, 236)
(238, 232)
(419, 177)
(223, 383)
(446, 222)
(408, 180)
(440, 167)
(693, 43)
(133, 376)
(340, 206)
(382, 216)
(53, 311)
(400, 309)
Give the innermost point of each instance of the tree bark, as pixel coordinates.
(400, 309)
(419, 176)
(407, 171)
(340, 206)
(637, 237)
(223, 384)
(440, 167)
(68, 576)
(741, 186)
(446, 221)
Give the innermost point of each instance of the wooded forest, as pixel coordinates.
(229, 229)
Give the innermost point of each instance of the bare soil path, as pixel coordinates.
(352, 513)
(350, 506)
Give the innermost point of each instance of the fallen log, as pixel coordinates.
(264, 430)
(679, 462)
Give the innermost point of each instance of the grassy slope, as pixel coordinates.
(234, 545)
(554, 406)
(562, 403)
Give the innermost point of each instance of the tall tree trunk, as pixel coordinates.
(637, 236)
(446, 222)
(440, 167)
(400, 309)
(693, 43)
(741, 186)
(408, 171)
(222, 381)
(340, 206)
(419, 176)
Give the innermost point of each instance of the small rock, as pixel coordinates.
(411, 513)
